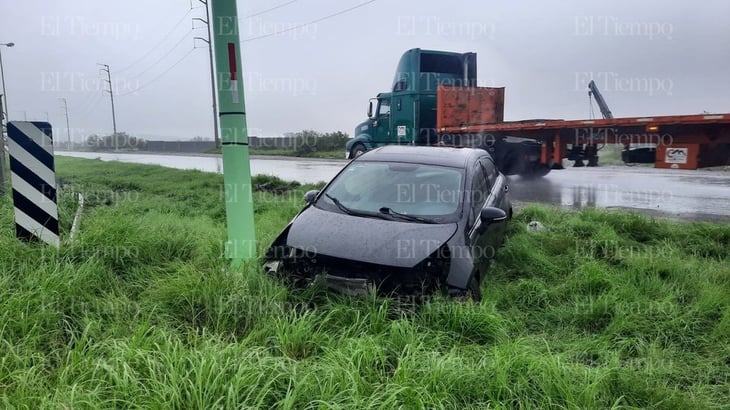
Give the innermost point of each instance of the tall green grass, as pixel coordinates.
(602, 310)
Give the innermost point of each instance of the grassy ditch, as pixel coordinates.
(601, 310)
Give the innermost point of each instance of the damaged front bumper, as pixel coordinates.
(354, 277)
(340, 284)
(347, 286)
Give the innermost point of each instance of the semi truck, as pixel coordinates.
(434, 100)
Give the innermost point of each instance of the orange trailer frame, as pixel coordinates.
(682, 141)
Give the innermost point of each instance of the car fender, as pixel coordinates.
(461, 266)
(282, 237)
(271, 252)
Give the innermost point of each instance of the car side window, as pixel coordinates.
(491, 170)
(384, 108)
(478, 193)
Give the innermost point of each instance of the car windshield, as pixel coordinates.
(393, 188)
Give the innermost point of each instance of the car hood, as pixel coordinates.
(372, 240)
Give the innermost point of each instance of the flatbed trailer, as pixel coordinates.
(680, 141)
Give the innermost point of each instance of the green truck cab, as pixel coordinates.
(407, 114)
(436, 90)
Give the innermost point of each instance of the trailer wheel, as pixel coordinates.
(357, 150)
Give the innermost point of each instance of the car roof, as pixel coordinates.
(445, 156)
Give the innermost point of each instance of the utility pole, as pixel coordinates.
(241, 245)
(111, 95)
(212, 72)
(2, 147)
(68, 127)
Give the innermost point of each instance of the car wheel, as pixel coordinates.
(473, 291)
(357, 150)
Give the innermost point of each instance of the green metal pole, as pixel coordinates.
(241, 245)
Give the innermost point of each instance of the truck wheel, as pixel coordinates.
(357, 150)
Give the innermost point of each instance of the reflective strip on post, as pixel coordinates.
(33, 178)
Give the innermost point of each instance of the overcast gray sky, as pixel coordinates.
(648, 57)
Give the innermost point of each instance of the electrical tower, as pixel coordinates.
(111, 95)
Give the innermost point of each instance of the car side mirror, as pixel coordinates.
(490, 215)
(310, 196)
(370, 109)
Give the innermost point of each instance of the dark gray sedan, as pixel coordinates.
(399, 219)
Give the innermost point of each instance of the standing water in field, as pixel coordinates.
(294, 169)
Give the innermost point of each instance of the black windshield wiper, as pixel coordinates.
(388, 211)
(352, 211)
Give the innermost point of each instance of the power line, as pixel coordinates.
(170, 50)
(357, 6)
(158, 43)
(268, 10)
(84, 103)
(90, 106)
(160, 75)
(91, 102)
(327, 17)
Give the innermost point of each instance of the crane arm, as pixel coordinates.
(599, 100)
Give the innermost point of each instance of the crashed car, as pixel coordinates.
(398, 220)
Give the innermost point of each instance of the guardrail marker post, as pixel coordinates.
(241, 245)
(33, 176)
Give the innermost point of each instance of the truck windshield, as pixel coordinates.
(427, 191)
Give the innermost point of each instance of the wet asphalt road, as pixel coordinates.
(690, 195)
(681, 194)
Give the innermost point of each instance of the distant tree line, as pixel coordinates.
(120, 140)
(302, 143)
(307, 142)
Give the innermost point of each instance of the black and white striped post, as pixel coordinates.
(33, 178)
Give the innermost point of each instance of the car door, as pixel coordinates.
(478, 234)
(498, 194)
(381, 124)
(487, 239)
